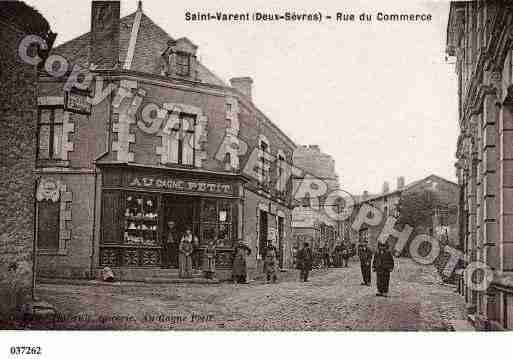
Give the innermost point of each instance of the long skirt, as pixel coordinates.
(185, 263)
(383, 280)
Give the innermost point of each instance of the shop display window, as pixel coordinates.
(141, 220)
(217, 219)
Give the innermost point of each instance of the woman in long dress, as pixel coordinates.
(239, 263)
(209, 260)
(271, 264)
(185, 258)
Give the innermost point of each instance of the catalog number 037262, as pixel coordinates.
(25, 350)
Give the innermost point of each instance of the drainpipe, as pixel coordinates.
(34, 243)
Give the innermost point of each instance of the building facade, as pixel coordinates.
(171, 143)
(310, 222)
(18, 118)
(437, 200)
(479, 37)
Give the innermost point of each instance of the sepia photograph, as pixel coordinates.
(253, 166)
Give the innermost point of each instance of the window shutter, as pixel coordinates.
(48, 224)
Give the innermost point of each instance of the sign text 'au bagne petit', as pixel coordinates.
(174, 184)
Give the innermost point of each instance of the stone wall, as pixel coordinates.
(18, 121)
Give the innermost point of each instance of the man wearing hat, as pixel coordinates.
(239, 271)
(365, 255)
(383, 264)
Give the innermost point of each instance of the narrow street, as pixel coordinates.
(332, 300)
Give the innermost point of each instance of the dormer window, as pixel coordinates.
(183, 64)
(179, 58)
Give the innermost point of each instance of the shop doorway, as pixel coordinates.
(178, 217)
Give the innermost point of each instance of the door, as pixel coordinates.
(178, 217)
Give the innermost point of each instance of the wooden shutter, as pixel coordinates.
(112, 207)
(48, 224)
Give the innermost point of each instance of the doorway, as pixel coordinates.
(178, 217)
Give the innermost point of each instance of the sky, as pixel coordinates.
(377, 96)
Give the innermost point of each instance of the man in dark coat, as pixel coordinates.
(345, 254)
(383, 264)
(365, 255)
(304, 262)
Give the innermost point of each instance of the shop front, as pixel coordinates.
(146, 211)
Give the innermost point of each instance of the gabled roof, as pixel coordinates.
(410, 186)
(150, 44)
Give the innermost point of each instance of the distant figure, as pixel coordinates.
(186, 250)
(345, 254)
(293, 252)
(171, 245)
(196, 253)
(383, 264)
(209, 260)
(365, 255)
(239, 263)
(271, 264)
(304, 262)
(337, 255)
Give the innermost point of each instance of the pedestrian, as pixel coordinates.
(271, 264)
(383, 264)
(171, 246)
(326, 256)
(337, 256)
(304, 261)
(239, 272)
(365, 255)
(345, 254)
(186, 250)
(294, 251)
(196, 254)
(209, 260)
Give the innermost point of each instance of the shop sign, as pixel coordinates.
(48, 189)
(77, 103)
(174, 184)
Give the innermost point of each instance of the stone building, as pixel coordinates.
(18, 118)
(440, 220)
(154, 137)
(310, 222)
(479, 38)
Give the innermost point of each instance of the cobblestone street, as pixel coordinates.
(332, 300)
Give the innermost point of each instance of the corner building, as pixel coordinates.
(479, 36)
(171, 147)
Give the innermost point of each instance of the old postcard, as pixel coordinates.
(256, 166)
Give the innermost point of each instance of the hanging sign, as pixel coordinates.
(77, 102)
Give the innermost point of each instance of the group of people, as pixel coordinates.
(190, 255)
(381, 262)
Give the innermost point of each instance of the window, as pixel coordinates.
(280, 172)
(183, 63)
(262, 242)
(263, 162)
(50, 133)
(48, 216)
(141, 220)
(217, 222)
(183, 144)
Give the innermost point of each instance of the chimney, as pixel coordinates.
(243, 84)
(400, 182)
(386, 187)
(365, 195)
(104, 43)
